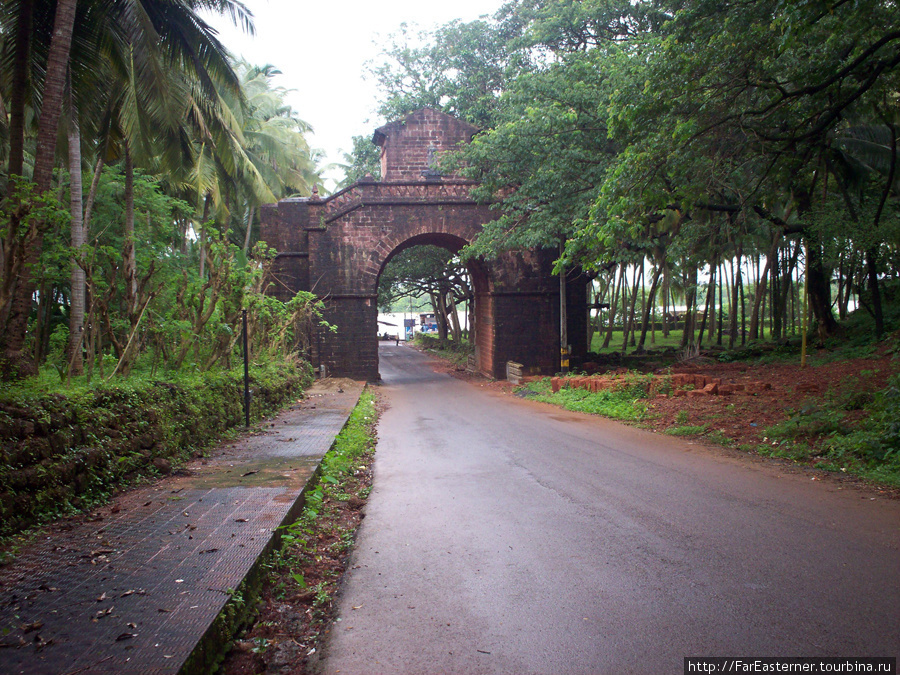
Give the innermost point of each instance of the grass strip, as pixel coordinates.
(295, 605)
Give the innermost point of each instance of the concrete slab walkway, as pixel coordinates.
(137, 586)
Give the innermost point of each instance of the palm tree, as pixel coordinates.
(275, 140)
(147, 39)
(26, 246)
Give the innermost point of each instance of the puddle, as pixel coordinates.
(268, 472)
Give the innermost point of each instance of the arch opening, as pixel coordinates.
(423, 287)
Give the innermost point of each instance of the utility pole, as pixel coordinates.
(246, 371)
(563, 332)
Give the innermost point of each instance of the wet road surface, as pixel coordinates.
(508, 536)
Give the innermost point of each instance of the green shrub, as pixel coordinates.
(625, 403)
(875, 444)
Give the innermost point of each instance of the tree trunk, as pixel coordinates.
(743, 301)
(76, 297)
(665, 308)
(628, 324)
(841, 281)
(761, 287)
(251, 213)
(92, 195)
(203, 238)
(690, 299)
(613, 306)
(819, 282)
(648, 309)
(710, 304)
(733, 302)
(710, 294)
(775, 285)
(454, 319)
(723, 291)
(849, 275)
(874, 289)
(18, 363)
(128, 253)
(437, 303)
(18, 88)
(872, 252)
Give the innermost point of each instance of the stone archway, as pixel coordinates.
(479, 276)
(337, 247)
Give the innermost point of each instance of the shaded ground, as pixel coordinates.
(136, 585)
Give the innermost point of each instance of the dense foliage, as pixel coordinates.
(730, 156)
(130, 246)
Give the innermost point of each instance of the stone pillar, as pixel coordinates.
(526, 330)
(352, 351)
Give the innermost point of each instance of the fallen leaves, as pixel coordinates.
(140, 591)
(103, 613)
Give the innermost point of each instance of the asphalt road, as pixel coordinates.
(508, 536)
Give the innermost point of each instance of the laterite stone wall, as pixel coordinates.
(338, 246)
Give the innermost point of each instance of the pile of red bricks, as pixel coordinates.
(679, 384)
(592, 383)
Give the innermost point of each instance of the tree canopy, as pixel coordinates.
(683, 134)
(135, 237)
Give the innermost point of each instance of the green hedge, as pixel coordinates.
(60, 453)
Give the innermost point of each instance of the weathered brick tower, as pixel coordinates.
(336, 247)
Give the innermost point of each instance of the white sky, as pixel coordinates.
(321, 49)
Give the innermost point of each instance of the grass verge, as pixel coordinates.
(626, 403)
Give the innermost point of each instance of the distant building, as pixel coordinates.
(428, 323)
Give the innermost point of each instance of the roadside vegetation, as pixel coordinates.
(456, 353)
(841, 413)
(627, 402)
(136, 153)
(296, 604)
(770, 210)
(63, 453)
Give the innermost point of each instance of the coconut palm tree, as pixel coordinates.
(144, 42)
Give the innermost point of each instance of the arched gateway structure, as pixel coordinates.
(337, 247)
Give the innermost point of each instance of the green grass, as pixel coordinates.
(615, 344)
(625, 404)
(688, 430)
(456, 353)
(354, 440)
(661, 342)
(822, 431)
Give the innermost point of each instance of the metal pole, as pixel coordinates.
(246, 371)
(563, 323)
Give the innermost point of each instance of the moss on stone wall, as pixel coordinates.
(60, 453)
